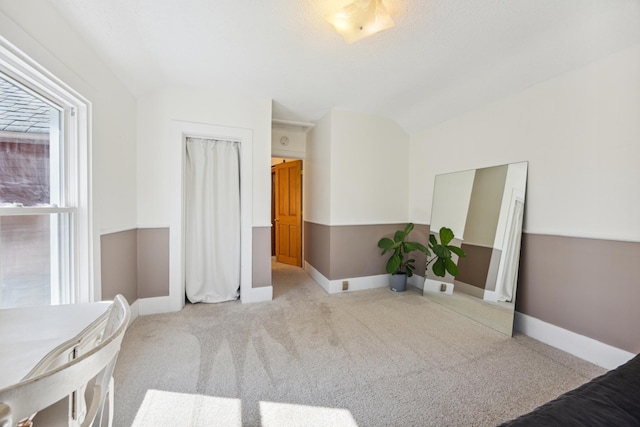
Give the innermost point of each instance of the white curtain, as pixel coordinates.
(512, 254)
(212, 212)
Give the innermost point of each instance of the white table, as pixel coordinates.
(28, 334)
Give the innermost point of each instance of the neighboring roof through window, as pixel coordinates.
(22, 112)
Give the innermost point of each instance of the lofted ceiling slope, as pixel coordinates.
(442, 59)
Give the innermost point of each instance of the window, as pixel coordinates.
(44, 216)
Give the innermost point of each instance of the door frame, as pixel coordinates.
(275, 221)
(293, 156)
(181, 130)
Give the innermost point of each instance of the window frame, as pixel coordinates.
(76, 187)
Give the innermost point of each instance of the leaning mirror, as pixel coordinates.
(485, 209)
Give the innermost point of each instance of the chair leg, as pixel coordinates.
(110, 398)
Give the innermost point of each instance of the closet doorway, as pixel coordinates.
(286, 211)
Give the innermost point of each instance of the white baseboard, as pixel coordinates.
(435, 286)
(135, 312)
(586, 348)
(416, 281)
(491, 296)
(355, 283)
(317, 277)
(263, 293)
(359, 283)
(154, 305)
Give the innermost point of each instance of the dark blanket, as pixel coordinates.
(612, 399)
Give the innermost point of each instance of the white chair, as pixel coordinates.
(75, 376)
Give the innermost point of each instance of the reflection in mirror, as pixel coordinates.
(485, 209)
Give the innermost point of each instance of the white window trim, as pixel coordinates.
(77, 111)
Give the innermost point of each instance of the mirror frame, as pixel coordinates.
(485, 209)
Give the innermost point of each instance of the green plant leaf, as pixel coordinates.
(409, 267)
(446, 236)
(451, 267)
(399, 236)
(393, 265)
(456, 250)
(441, 251)
(432, 240)
(438, 268)
(385, 243)
(408, 228)
(422, 248)
(409, 247)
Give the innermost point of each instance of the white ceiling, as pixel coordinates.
(443, 57)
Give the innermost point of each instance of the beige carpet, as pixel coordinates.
(368, 358)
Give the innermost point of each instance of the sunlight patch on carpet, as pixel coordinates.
(164, 408)
(273, 414)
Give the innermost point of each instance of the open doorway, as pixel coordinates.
(288, 151)
(286, 211)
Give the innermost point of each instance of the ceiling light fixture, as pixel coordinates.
(360, 19)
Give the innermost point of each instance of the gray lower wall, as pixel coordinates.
(480, 266)
(474, 268)
(588, 286)
(346, 251)
(153, 262)
(317, 246)
(261, 257)
(135, 263)
(119, 265)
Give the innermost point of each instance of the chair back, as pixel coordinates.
(80, 369)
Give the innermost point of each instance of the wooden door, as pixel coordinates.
(288, 212)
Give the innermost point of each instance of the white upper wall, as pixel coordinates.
(356, 170)
(156, 115)
(369, 172)
(580, 134)
(317, 173)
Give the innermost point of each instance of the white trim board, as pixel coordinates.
(135, 312)
(263, 293)
(317, 277)
(157, 305)
(180, 131)
(360, 283)
(586, 348)
(431, 285)
(154, 305)
(355, 283)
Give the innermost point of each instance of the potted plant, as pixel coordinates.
(400, 266)
(442, 253)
